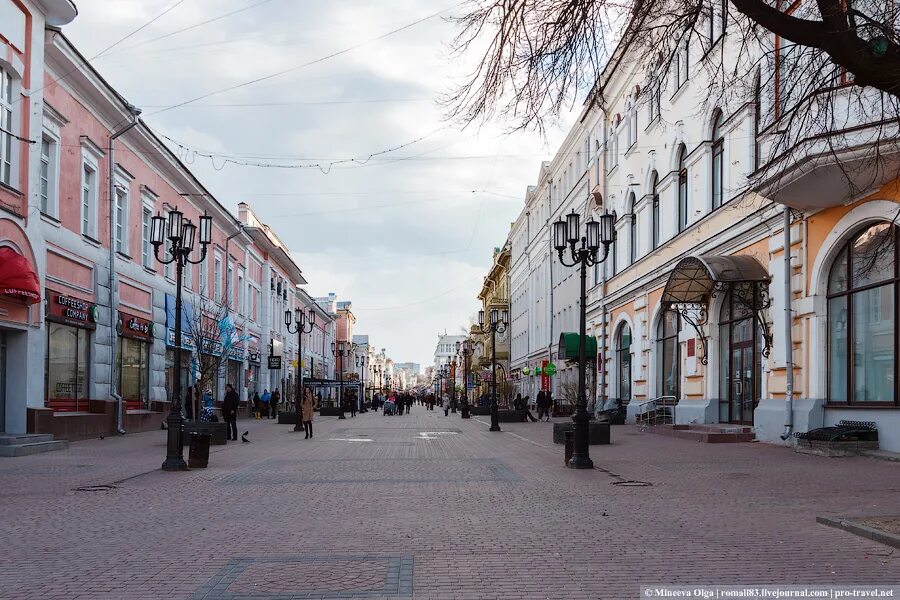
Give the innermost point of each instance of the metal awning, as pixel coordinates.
(697, 279)
(694, 278)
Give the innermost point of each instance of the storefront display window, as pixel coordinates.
(133, 369)
(68, 351)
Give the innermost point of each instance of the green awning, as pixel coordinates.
(568, 346)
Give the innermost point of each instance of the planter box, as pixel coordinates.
(218, 432)
(510, 416)
(480, 411)
(598, 433)
(330, 411)
(287, 417)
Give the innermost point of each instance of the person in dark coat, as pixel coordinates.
(229, 411)
(189, 403)
(276, 398)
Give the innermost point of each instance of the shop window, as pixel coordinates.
(668, 355)
(133, 370)
(862, 319)
(67, 366)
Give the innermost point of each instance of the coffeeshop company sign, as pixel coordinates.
(64, 308)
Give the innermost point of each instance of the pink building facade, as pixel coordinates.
(94, 351)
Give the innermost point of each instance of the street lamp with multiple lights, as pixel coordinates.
(465, 350)
(567, 234)
(300, 327)
(340, 349)
(498, 323)
(181, 234)
(361, 365)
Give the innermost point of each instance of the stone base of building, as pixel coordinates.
(99, 419)
(769, 418)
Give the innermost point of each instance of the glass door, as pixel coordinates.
(743, 375)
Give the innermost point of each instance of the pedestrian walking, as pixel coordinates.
(307, 416)
(229, 411)
(266, 398)
(540, 405)
(273, 402)
(353, 406)
(189, 403)
(528, 416)
(257, 406)
(446, 403)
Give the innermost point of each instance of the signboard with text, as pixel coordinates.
(274, 362)
(63, 308)
(131, 326)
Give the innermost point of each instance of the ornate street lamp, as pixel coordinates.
(340, 349)
(361, 365)
(181, 234)
(465, 350)
(498, 323)
(597, 234)
(300, 327)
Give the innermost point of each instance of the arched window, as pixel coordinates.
(623, 360)
(654, 213)
(668, 355)
(682, 188)
(862, 319)
(633, 231)
(718, 152)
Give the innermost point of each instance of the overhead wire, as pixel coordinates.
(308, 63)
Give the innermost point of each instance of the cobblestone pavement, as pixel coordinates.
(428, 506)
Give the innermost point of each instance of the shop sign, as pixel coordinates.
(130, 326)
(72, 311)
(254, 356)
(274, 362)
(545, 372)
(236, 353)
(187, 342)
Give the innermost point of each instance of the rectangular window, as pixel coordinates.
(217, 282)
(121, 222)
(241, 292)
(204, 279)
(146, 251)
(133, 370)
(67, 365)
(229, 287)
(187, 275)
(6, 127)
(45, 176)
(88, 200)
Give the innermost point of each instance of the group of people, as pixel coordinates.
(265, 406)
(544, 406)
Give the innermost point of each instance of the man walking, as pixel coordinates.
(229, 411)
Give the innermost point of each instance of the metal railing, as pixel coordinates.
(658, 411)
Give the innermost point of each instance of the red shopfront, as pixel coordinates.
(133, 360)
(70, 321)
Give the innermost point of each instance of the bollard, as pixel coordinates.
(570, 446)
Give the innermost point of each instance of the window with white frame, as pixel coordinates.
(88, 199)
(229, 286)
(146, 249)
(682, 67)
(217, 282)
(204, 278)
(187, 275)
(121, 220)
(167, 269)
(718, 168)
(654, 107)
(242, 292)
(716, 13)
(49, 176)
(6, 127)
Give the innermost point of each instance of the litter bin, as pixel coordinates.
(198, 455)
(570, 446)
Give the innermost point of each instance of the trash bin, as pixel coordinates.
(198, 455)
(570, 446)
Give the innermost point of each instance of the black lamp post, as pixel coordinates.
(300, 327)
(452, 367)
(361, 365)
(566, 233)
(340, 349)
(498, 323)
(465, 349)
(180, 233)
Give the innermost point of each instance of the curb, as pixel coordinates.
(848, 524)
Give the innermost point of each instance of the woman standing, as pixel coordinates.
(256, 405)
(307, 416)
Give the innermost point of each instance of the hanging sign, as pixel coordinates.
(274, 362)
(526, 371)
(545, 374)
(254, 356)
(550, 369)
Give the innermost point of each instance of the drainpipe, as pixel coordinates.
(788, 340)
(120, 407)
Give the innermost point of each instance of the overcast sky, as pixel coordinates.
(407, 236)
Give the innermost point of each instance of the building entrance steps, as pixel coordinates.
(25, 444)
(720, 433)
